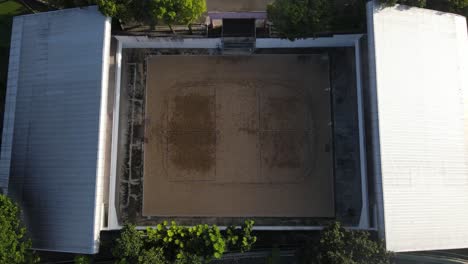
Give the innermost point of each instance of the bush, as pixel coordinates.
(339, 246)
(14, 244)
(241, 239)
(178, 244)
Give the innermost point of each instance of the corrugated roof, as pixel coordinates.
(419, 66)
(57, 78)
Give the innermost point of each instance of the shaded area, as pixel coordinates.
(8, 9)
(346, 137)
(348, 194)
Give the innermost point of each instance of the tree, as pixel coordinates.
(300, 18)
(14, 244)
(170, 12)
(338, 245)
(107, 7)
(129, 244)
(181, 12)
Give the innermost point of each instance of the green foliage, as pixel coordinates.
(305, 18)
(152, 256)
(300, 18)
(171, 243)
(14, 245)
(129, 244)
(170, 12)
(180, 242)
(156, 256)
(182, 12)
(458, 5)
(338, 245)
(454, 6)
(189, 259)
(241, 239)
(107, 7)
(82, 259)
(124, 10)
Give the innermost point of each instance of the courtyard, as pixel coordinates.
(238, 136)
(212, 138)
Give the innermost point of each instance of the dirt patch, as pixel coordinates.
(193, 112)
(238, 136)
(282, 109)
(190, 151)
(282, 150)
(191, 137)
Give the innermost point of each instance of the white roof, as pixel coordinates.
(419, 82)
(52, 152)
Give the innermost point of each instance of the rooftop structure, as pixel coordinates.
(418, 118)
(53, 150)
(371, 134)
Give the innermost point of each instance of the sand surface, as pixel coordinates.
(238, 136)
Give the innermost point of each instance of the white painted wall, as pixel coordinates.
(100, 166)
(113, 223)
(167, 43)
(322, 42)
(420, 77)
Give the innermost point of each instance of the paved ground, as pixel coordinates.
(236, 6)
(346, 137)
(238, 136)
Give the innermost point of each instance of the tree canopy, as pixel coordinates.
(300, 18)
(306, 18)
(169, 12)
(180, 12)
(14, 244)
(338, 245)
